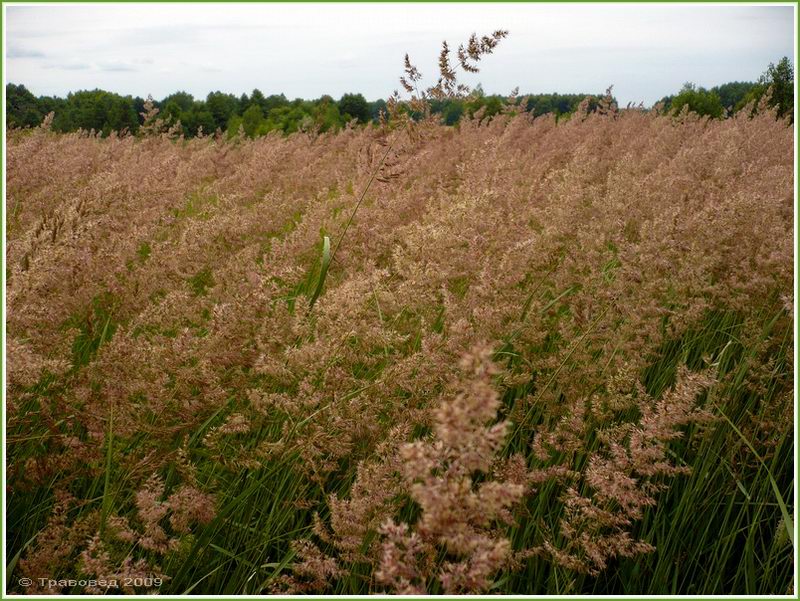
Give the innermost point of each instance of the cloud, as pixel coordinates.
(305, 50)
(154, 36)
(16, 52)
(117, 67)
(68, 66)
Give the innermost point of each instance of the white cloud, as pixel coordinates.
(308, 50)
(18, 52)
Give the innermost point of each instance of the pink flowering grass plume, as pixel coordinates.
(527, 337)
(458, 515)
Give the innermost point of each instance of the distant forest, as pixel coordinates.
(256, 114)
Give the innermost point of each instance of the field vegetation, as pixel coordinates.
(520, 355)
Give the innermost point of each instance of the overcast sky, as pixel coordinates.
(307, 50)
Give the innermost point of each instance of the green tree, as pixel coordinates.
(120, 114)
(326, 115)
(491, 105)
(780, 79)
(732, 93)
(196, 118)
(98, 110)
(698, 100)
(356, 106)
(172, 111)
(51, 104)
(222, 107)
(22, 107)
(252, 120)
(452, 112)
(258, 98)
(272, 102)
(182, 100)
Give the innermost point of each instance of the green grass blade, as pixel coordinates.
(787, 519)
(14, 560)
(323, 273)
(107, 484)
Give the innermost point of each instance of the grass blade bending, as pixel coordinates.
(323, 272)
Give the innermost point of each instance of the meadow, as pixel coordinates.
(513, 356)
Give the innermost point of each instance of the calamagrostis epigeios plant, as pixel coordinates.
(158, 323)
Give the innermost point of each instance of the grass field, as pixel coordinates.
(542, 358)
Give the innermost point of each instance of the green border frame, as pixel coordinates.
(795, 4)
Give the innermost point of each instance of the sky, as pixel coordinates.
(307, 50)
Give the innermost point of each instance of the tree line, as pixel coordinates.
(256, 114)
(732, 97)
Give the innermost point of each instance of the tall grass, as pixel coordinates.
(550, 358)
